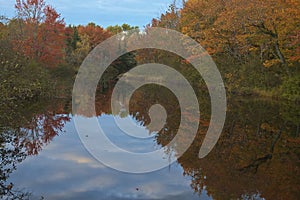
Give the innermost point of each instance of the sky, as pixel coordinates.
(102, 12)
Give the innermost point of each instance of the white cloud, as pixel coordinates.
(65, 170)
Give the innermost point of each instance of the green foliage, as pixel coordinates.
(291, 88)
(23, 81)
(114, 29)
(71, 44)
(118, 29)
(120, 66)
(20, 78)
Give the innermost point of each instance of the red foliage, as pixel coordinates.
(43, 32)
(96, 34)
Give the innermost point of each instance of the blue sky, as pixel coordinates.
(102, 12)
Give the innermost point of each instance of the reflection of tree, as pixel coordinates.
(10, 157)
(256, 156)
(25, 135)
(40, 131)
(259, 161)
(149, 95)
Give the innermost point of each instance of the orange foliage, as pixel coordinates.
(96, 34)
(42, 32)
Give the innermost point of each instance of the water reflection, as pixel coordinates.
(24, 132)
(257, 156)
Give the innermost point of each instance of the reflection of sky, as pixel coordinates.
(64, 170)
(102, 12)
(137, 137)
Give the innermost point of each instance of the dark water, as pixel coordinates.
(257, 156)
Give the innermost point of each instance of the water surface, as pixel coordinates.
(257, 156)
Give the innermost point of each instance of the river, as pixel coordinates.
(256, 157)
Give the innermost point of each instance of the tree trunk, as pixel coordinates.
(281, 57)
(279, 54)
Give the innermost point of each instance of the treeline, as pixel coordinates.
(256, 44)
(40, 55)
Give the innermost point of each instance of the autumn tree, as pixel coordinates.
(239, 27)
(41, 32)
(170, 19)
(95, 34)
(21, 79)
(263, 26)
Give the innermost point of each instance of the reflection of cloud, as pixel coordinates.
(65, 170)
(78, 159)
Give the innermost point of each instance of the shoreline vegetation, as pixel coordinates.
(255, 44)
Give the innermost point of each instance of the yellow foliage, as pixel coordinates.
(270, 63)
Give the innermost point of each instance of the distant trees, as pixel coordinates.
(119, 29)
(81, 40)
(255, 43)
(38, 32)
(37, 50)
(94, 33)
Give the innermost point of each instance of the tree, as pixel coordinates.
(170, 20)
(197, 20)
(114, 29)
(41, 32)
(95, 33)
(240, 27)
(263, 26)
(72, 40)
(119, 29)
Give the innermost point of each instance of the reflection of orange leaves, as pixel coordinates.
(204, 123)
(197, 56)
(52, 125)
(40, 131)
(103, 101)
(189, 117)
(33, 147)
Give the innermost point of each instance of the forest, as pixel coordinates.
(255, 44)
